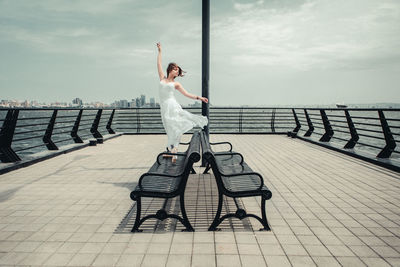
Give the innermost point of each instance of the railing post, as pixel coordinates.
(137, 120)
(298, 125)
(310, 125)
(240, 119)
(390, 143)
(353, 131)
(95, 125)
(108, 127)
(7, 154)
(74, 132)
(328, 128)
(49, 131)
(273, 120)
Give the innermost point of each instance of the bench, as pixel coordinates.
(234, 179)
(167, 180)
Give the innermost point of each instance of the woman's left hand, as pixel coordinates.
(204, 99)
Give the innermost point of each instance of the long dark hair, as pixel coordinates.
(171, 66)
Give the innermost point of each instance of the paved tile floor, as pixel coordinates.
(327, 209)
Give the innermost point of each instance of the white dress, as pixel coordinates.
(176, 121)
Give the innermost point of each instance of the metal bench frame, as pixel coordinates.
(224, 177)
(184, 167)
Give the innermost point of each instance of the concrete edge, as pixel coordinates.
(61, 151)
(379, 162)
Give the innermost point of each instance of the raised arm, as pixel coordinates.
(159, 66)
(182, 90)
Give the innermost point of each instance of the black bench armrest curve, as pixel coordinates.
(154, 174)
(247, 173)
(230, 154)
(223, 143)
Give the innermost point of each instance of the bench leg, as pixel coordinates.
(161, 215)
(208, 167)
(185, 220)
(264, 215)
(217, 221)
(138, 211)
(240, 214)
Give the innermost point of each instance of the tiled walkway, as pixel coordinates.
(327, 209)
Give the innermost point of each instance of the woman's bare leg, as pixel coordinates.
(174, 158)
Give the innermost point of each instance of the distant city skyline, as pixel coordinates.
(263, 52)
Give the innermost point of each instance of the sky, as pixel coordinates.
(264, 53)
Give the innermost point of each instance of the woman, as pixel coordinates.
(176, 121)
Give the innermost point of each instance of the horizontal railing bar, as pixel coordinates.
(22, 149)
(28, 138)
(339, 138)
(339, 126)
(58, 133)
(337, 121)
(66, 116)
(368, 130)
(367, 124)
(63, 127)
(31, 125)
(59, 141)
(32, 131)
(340, 131)
(33, 118)
(371, 136)
(215, 108)
(365, 118)
(369, 145)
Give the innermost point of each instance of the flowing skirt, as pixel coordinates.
(177, 121)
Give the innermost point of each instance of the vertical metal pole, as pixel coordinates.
(298, 125)
(353, 131)
(205, 66)
(390, 143)
(108, 127)
(310, 125)
(205, 60)
(7, 154)
(74, 132)
(273, 120)
(49, 132)
(94, 129)
(327, 126)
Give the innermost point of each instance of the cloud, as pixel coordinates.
(318, 34)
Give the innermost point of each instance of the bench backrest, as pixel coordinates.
(208, 155)
(192, 156)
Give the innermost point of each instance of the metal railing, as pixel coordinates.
(375, 130)
(222, 120)
(27, 131)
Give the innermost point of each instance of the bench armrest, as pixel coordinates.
(153, 174)
(230, 154)
(223, 143)
(247, 173)
(185, 143)
(168, 153)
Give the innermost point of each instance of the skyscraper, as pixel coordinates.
(142, 100)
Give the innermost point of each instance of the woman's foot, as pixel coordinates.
(174, 157)
(166, 155)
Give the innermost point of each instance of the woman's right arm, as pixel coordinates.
(159, 66)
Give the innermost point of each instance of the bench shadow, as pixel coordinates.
(201, 199)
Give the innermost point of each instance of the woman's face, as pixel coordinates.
(175, 71)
